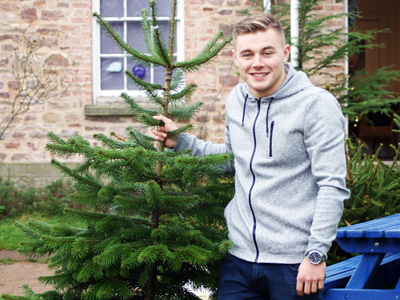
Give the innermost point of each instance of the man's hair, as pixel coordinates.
(258, 22)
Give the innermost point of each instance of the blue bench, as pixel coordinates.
(375, 273)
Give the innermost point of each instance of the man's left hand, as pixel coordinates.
(310, 278)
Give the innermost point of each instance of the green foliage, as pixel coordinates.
(375, 186)
(375, 189)
(17, 200)
(363, 92)
(154, 221)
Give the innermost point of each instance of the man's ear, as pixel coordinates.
(234, 56)
(286, 52)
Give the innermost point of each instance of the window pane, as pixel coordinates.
(146, 77)
(159, 75)
(164, 26)
(164, 8)
(112, 73)
(134, 7)
(135, 36)
(112, 8)
(108, 45)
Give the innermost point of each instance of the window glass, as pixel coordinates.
(164, 26)
(112, 8)
(164, 7)
(135, 36)
(134, 7)
(111, 63)
(108, 46)
(112, 73)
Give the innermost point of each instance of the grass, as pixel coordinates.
(11, 236)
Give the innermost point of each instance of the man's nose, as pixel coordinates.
(257, 61)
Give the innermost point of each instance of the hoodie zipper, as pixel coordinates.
(254, 181)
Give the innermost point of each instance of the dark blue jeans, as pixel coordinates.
(242, 280)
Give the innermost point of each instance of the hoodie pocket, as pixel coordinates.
(270, 138)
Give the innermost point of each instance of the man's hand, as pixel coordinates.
(159, 133)
(310, 278)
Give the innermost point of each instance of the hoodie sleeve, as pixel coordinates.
(324, 141)
(202, 148)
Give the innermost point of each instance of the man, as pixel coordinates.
(287, 138)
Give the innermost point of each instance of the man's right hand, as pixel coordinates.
(160, 133)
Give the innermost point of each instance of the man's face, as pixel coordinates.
(260, 57)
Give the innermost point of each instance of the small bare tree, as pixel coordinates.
(35, 78)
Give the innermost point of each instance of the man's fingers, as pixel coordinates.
(159, 135)
(306, 288)
(159, 117)
(300, 288)
(320, 285)
(314, 287)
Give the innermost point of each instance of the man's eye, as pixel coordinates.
(268, 53)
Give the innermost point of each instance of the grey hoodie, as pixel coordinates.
(290, 170)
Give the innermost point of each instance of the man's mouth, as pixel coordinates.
(259, 74)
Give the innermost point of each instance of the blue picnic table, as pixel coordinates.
(373, 274)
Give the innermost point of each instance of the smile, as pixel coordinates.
(259, 74)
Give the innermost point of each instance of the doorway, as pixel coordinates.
(376, 129)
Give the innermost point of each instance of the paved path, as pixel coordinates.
(22, 271)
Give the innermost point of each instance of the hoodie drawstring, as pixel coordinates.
(244, 109)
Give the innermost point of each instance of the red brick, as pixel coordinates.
(30, 118)
(13, 85)
(68, 133)
(20, 156)
(38, 134)
(29, 14)
(8, 48)
(32, 145)
(12, 145)
(49, 15)
(14, 37)
(56, 60)
(4, 62)
(39, 2)
(18, 134)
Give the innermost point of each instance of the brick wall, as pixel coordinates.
(65, 27)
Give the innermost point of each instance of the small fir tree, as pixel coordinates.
(155, 217)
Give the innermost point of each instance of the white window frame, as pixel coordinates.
(112, 96)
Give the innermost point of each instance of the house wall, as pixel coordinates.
(65, 29)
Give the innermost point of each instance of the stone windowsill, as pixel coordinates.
(95, 110)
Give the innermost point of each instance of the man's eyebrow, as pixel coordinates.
(263, 49)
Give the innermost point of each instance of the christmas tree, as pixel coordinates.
(154, 216)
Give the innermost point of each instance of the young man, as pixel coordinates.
(287, 138)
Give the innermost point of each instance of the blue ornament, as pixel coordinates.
(139, 70)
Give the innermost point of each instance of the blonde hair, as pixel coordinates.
(258, 22)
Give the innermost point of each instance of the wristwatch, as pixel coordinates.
(315, 257)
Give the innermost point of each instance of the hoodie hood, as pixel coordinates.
(295, 82)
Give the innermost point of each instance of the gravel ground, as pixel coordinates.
(21, 272)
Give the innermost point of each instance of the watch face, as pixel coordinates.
(314, 257)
